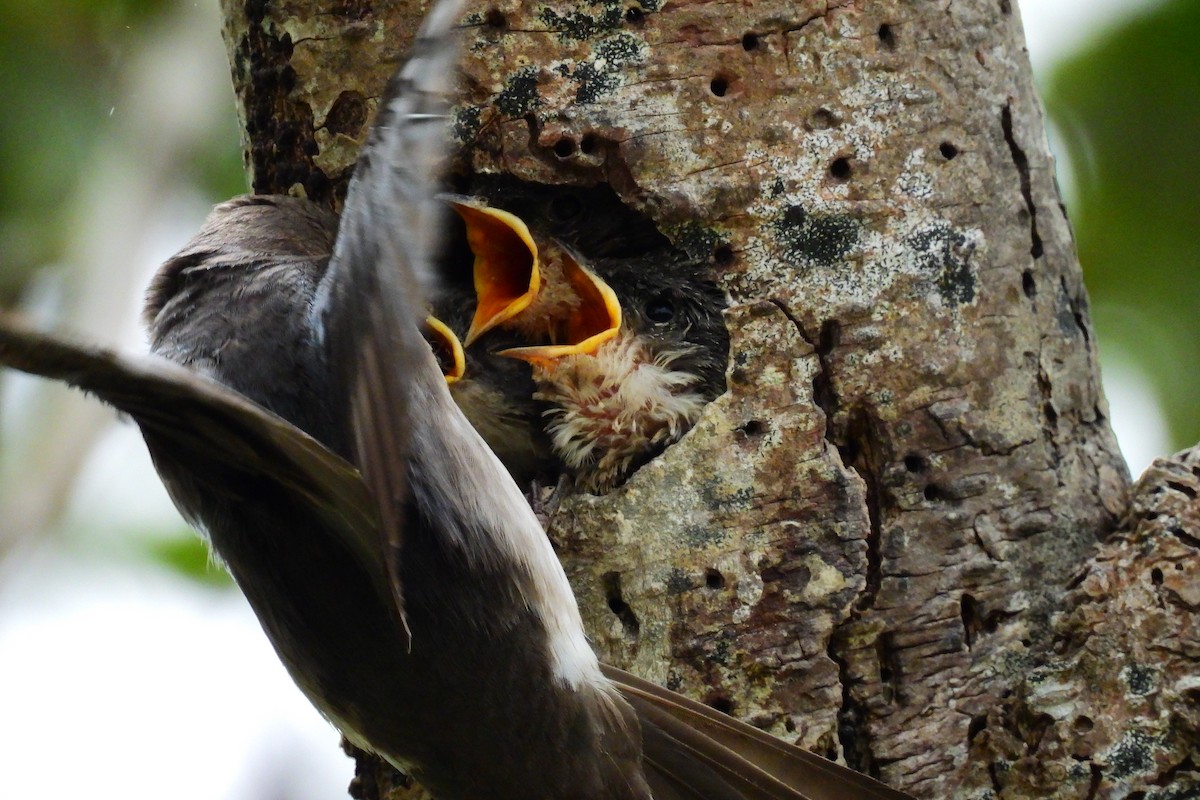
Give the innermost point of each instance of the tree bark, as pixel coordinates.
(862, 544)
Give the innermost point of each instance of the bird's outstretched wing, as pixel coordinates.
(207, 425)
(683, 740)
(369, 304)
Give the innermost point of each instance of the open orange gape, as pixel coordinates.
(538, 289)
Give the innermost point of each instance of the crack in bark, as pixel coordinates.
(1094, 780)
(711, 167)
(784, 33)
(805, 23)
(859, 454)
(982, 543)
(1021, 162)
(1073, 304)
(1049, 414)
(994, 776)
(865, 460)
(851, 732)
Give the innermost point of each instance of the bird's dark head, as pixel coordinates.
(234, 304)
(238, 235)
(674, 307)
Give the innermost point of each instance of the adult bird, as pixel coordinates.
(394, 565)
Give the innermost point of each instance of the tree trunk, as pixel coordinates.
(861, 544)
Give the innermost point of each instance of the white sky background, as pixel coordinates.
(116, 679)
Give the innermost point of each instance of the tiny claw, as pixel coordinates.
(449, 349)
(507, 278)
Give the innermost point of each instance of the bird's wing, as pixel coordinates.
(684, 739)
(368, 308)
(206, 423)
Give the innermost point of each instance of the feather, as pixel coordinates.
(682, 737)
(214, 428)
(372, 292)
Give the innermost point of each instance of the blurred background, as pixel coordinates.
(128, 664)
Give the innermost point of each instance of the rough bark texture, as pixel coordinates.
(1114, 711)
(860, 545)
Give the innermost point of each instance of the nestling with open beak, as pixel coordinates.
(631, 349)
(495, 394)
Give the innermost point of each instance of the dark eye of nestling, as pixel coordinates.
(659, 309)
(565, 208)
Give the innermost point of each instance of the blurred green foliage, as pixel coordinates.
(60, 75)
(65, 67)
(188, 555)
(1128, 107)
(58, 68)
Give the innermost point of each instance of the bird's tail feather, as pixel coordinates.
(693, 752)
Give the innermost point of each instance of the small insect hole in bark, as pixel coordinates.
(976, 726)
(824, 119)
(719, 86)
(915, 463)
(495, 19)
(750, 42)
(713, 579)
(635, 15)
(754, 427)
(588, 144)
(564, 147)
(1156, 576)
(887, 36)
(970, 616)
(948, 150)
(348, 114)
(840, 169)
(887, 657)
(618, 606)
(1028, 285)
(723, 255)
